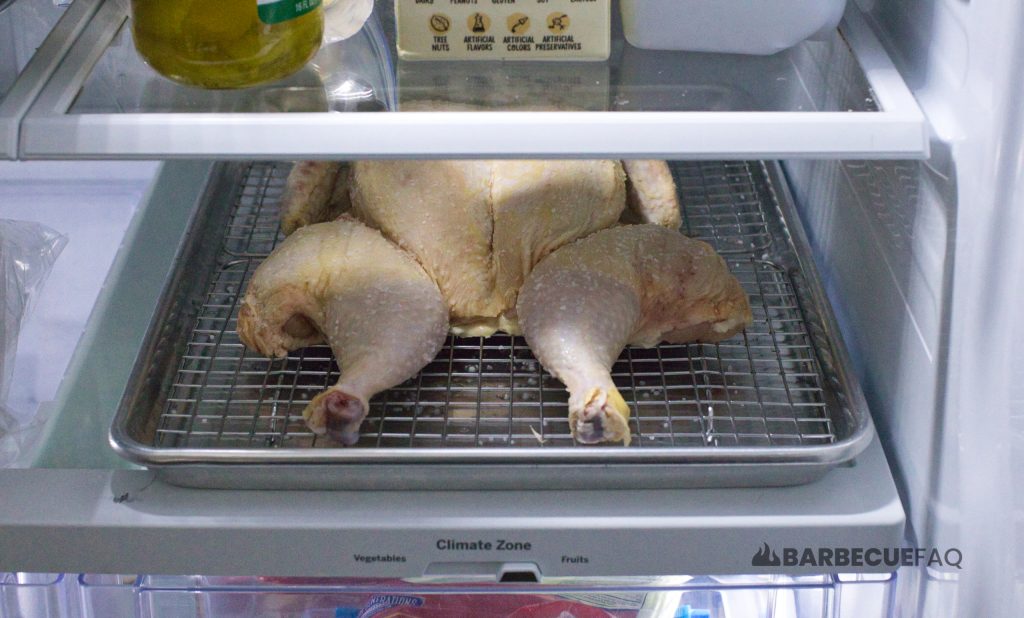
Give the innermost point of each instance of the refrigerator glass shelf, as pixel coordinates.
(632, 79)
(838, 96)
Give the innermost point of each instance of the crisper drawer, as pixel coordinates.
(839, 97)
(146, 596)
(37, 595)
(775, 405)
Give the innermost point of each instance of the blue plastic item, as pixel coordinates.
(688, 612)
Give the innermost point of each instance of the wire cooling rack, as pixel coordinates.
(763, 387)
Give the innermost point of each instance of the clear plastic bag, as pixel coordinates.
(27, 253)
(343, 18)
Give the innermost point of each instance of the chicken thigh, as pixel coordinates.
(636, 284)
(343, 282)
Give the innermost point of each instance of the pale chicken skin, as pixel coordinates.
(651, 194)
(479, 227)
(343, 283)
(440, 212)
(629, 285)
(539, 206)
(316, 191)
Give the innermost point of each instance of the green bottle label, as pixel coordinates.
(277, 11)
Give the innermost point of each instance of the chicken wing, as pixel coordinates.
(315, 192)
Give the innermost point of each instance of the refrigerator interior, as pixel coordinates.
(920, 262)
(854, 504)
(170, 518)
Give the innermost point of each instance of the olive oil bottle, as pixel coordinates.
(227, 43)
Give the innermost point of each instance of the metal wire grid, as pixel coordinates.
(724, 205)
(254, 228)
(760, 388)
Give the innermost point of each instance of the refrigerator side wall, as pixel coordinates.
(939, 370)
(881, 233)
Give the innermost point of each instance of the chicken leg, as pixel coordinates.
(651, 195)
(637, 284)
(343, 282)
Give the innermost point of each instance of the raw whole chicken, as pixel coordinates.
(452, 245)
(634, 284)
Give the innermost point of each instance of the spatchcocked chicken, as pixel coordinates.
(385, 257)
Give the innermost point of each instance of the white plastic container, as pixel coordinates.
(732, 26)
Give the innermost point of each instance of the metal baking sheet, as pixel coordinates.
(772, 406)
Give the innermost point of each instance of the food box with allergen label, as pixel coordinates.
(503, 29)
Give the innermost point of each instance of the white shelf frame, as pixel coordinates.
(30, 82)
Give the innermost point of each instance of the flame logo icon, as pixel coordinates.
(765, 557)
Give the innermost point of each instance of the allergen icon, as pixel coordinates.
(440, 23)
(558, 23)
(518, 23)
(478, 23)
